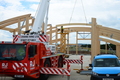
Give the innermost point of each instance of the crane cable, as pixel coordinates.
(73, 11)
(83, 11)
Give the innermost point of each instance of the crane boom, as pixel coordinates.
(42, 11)
(41, 17)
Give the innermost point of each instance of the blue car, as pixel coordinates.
(105, 67)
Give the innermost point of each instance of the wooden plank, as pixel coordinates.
(110, 41)
(109, 32)
(118, 50)
(7, 24)
(74, 29)
(95, 43)
(23, 26)
(113, 36)
(13, 19)
(109, 29)
(79, 29)
(2, 26)
(68, 24)
(53, 41)
(84, 39)
(8, 29)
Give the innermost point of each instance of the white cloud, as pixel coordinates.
(34, 6)
(5, 36)
(32, 0)
(14, 2)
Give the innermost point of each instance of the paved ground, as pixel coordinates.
(74, 75)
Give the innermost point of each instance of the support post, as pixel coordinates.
(33, 19)
(106, 48)
(51, 35)
(19, 29)
(43, 27)
(14, 33)
(118, 50)
(76, 43)
(27, 23)
(68, 43)
(56, 39)
(95, 43)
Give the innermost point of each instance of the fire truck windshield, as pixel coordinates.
(12, 51)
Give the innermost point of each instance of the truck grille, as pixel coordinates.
(109, 74)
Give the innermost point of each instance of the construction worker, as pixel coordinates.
(21, 51)
(62, 29)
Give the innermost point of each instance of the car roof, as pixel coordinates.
(105, 56)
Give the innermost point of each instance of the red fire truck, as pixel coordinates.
(27, 54)
(25, 60)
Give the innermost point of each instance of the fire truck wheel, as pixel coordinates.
(60, 62)
(46, 64)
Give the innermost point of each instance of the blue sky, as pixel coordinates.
(107, 12)
(28, 4)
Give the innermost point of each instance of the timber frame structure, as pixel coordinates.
(96, 31)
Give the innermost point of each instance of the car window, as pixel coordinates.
(106, 62)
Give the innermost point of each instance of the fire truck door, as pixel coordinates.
(33, 57)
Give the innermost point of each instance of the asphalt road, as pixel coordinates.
(74, 76)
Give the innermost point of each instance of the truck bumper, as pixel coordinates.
(105, 77)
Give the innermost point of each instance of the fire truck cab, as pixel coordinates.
(24, 60)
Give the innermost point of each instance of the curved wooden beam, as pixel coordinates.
(68, 24)
(110, 41)
(15, 18)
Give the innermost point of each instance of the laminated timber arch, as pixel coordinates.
(95, 30)
(18, 20)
